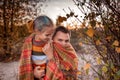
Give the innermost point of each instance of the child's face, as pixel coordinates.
(45, 34)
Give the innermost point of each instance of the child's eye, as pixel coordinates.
(60, 40)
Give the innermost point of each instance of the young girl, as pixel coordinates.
(32, 56)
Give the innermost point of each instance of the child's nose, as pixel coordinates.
(49, 37)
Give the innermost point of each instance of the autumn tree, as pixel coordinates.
(101, 28)
(13, 16)
(104, 31)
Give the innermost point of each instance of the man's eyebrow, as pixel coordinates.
(60, 39)
(67, 40)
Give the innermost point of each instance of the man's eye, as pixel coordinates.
(67, 41)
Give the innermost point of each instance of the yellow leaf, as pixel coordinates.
(98, 42)
(104, 69)
(117, 49)
(96, 79)
(87, 66)
(90, 32)
(80, 43)
(116, 43)
(99, 60)
(78, 72)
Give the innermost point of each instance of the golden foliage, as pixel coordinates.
(117, 49)
(108, 38)
(29, 25)
(79, 72)
(87, 66)
(104, 69)
(99, 61)
(96, 79)
(116, 43)
(90, 32)
(98, 42)
(80, 43)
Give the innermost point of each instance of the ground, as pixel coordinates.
(9, 71)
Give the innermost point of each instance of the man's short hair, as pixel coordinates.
(62, 29)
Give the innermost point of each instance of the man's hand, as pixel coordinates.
(38, 73)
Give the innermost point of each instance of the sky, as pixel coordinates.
(55, 8)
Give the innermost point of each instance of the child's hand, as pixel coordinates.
(38, 73)
(48, 50)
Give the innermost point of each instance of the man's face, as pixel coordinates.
(45, 34)
(62, 38)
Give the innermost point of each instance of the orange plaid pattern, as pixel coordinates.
(64, 65)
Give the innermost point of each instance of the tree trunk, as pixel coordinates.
(5, 27)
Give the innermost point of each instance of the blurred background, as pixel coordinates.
(94, 26)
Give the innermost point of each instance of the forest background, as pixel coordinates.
(96, 38)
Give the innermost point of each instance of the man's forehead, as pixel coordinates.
(62, 34)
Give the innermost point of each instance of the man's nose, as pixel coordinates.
(63, 43)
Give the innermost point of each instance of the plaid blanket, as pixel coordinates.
(25, 67)
(64, 65)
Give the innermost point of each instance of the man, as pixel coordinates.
(64, 62)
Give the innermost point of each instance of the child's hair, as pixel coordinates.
(42, 22)
(62, 29)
